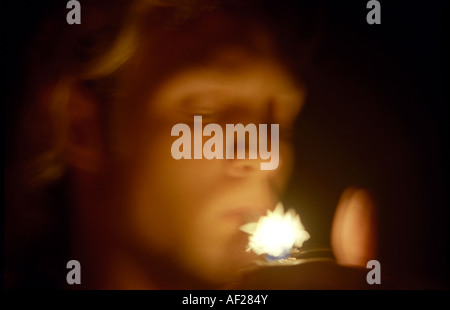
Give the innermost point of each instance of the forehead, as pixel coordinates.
(246, 76)
(249, 84)
(221, 53)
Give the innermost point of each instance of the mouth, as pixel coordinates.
(243, 215)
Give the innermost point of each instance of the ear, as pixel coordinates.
(84, 144)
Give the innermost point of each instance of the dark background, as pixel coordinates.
(374, 117)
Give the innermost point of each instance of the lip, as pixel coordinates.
(244, 215)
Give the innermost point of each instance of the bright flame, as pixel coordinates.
(276, 233)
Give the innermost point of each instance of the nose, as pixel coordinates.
(241, 168)
(250, 153)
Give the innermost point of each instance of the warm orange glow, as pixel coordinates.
(276, 233)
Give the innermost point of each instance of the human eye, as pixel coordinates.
(207, 114)
(212, 110)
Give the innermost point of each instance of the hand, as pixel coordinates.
(354, 243)
(354, 232)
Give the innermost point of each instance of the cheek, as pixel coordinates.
(173, 206)
(167, 196)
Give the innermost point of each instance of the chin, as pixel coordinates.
(223, 265)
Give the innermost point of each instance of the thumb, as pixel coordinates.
(354, 233)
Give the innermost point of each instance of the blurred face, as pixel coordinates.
(191, 209)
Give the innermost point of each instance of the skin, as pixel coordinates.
(204, 202)
(142, 214)
(191, 210)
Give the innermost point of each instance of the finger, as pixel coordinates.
(353, 233)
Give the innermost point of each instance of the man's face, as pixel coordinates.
(191, 209)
